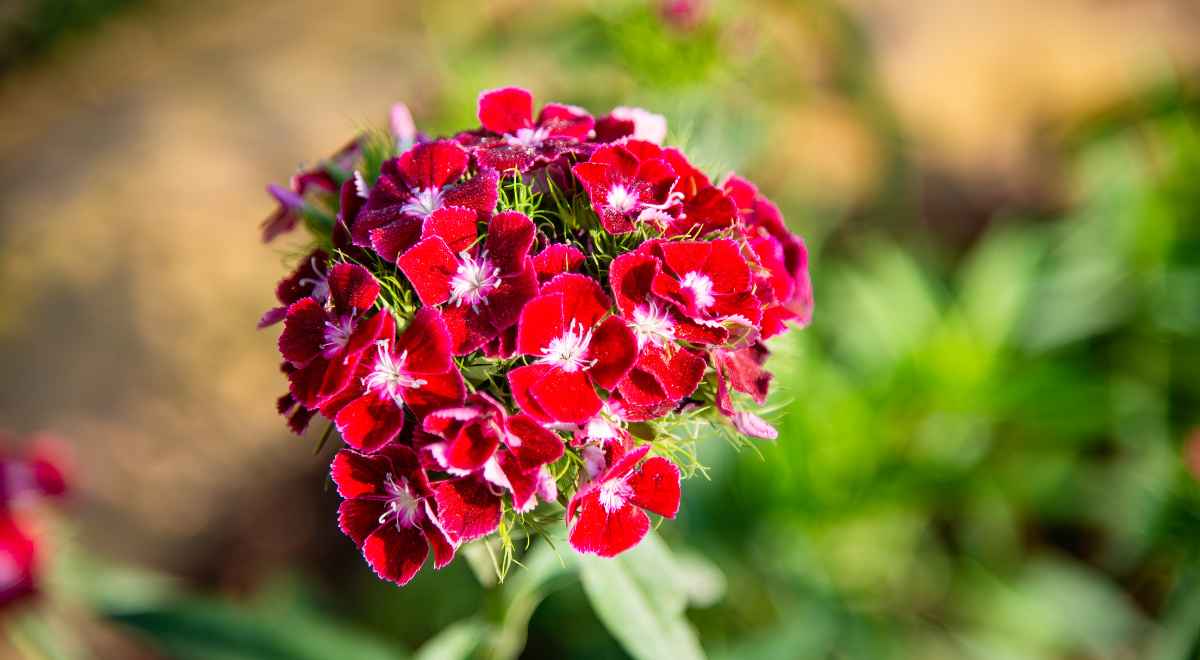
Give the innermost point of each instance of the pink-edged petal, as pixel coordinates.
(433, 164)
(509, 237)
(393, 239)
(430, 266)
(555, 259)
(358, 475)
(623, 163)
(566, 121)
(443, 549)
(473, 445)
(532, 444)
(744, 370)
(359, 518)
(614, 349)
(566, 396)
(303, 332)
(624, 463)
(506, 110)
(352, 287)
(396, 553)
(754, 426)
(584, 300)
(438, 391)
(727, 267)
(467, 508)
(426, 342)
(598, 531)
(469, 328)
(631, 277)
(521, 381)
(656, 487)
(541, 322)
(678, 372)
(369, 422)
(522, 483)
(453, 224)
(479, 193)
(505, 302)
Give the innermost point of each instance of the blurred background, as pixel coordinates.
(990, 435)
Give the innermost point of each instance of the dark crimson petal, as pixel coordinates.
(358, 475)
(433, 164)
(479, 193)
(596, 179)
(631, 277)
(453, 224)
(600, 532)
(352, 287)
(469, 329)
(532, 444)
(396, 553)
(641, 388)
(404, 463)
(473, 445)
(339, 374)
(348, 208)
(505, 302)
(611, 129)
(678, 372)
(438, 391)
(624, 464)
(467, 508)
(659, 179)
(392, 239)
(506, 110)
(446, 422)
(542, 321)
(614, 222)
(358, 518)
(656, 487)
(707, 211)
(369, 422)
(520, 381)
(300, 283)
(430, 266)
(566, 121)
(298, 421)
(555, 259)
(427, 342)
(497, 154)
(744, 370)
(380, 326)
(303, 332)
(700, 334)
(305, 383)
(521, 482)
(509, 237)
(443, 549)
(584, 300)
(614, 348)
(566, 396)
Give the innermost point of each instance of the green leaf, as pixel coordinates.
(456, 642)
(640, 597)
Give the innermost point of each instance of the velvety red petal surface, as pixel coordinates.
(427, 342)
(467, 508)
(599, 532)
(555, 259)
(510, 235)
(566, 396)
(541, 322)
(453, 224)
(521, 380)
(369, 422)
(584, 300)
(479, 193)
(393, 238)
(614, 348)
(356, 475)
(439, 391)
(359, 518)
(631, 277)
(303, 332)
(473, 445)
(506, 110)
(433, 164)
(396, 553)
(352, 287)
(656, 487)
(430, 266)
(532, 444)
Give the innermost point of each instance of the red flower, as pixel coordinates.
(628, 183)
(709, 283)
(556, 259)
(18, 558)
(33, 473)
(309, 280)
(510, 452)
(411, 188)
(513, 140)
(631, 123)
(607, 516)
(389, 512)
(481, 289)
(705, 208)
(577, 347)
(416, 371)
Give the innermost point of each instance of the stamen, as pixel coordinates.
(388, 378)
(614, 493)
(701, 286)
(652, 326)
(568, 350)
(622, 199)
(528, 137)
(423, 202)
(474, 280)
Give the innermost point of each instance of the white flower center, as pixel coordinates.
(473, 280)
(423, 202)
(621, 199)
(701, 287)
(652, 326)
(388, 377)
(568, 350)
(528, 137)
(614, 493)
(337, 334)
(401, 502)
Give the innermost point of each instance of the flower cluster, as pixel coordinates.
(25, 477)
(524, 319)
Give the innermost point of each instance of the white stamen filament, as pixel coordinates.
(388, 378)
(568, 350)
(474, 280)
(319, 283)
(614, 493)
(701, 286)
(621, 199)
(360, 185)
(423, 202)
(528, 137)
(401, 502)
(652, 325)
(337, 334)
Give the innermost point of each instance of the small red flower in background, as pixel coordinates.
(26, 477)
(515, 319)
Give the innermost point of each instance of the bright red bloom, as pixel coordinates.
(513, 140)
(709, 283)
(705, 208)
(607, 515)
(481, 288)
(628, 184)
(577, 347)
(556, 259)
(411, 188)
(414, 372)
(18, 562)
(388, 510)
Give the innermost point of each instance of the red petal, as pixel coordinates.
(691, 180)
(479, 193)
(467, 508)
(453, 224)
(394, 238)
(531, 443)
(427, 342)
(566, 121)
(656, 487)
(557, 258)
(625, 463)
(727, 267)
(624, 163)
(303, 332)
(358, 518)
(506, 109)
(352, 287)
(369, 422)
(584, 301)
(468, 328)
(433, 164)
(356, 475)
(566, 396)
(510, 235)
(597, 531)
(443, 549)
(396, 553)
(631, 276)
(505, 302)
(678, 374)
(305, 383)
(596, 179)
(520, 381)
(541, 322)
(429, 265)
(473, 445)
(744, 370)
(439, 391)
(684, 257)
(614, 348)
